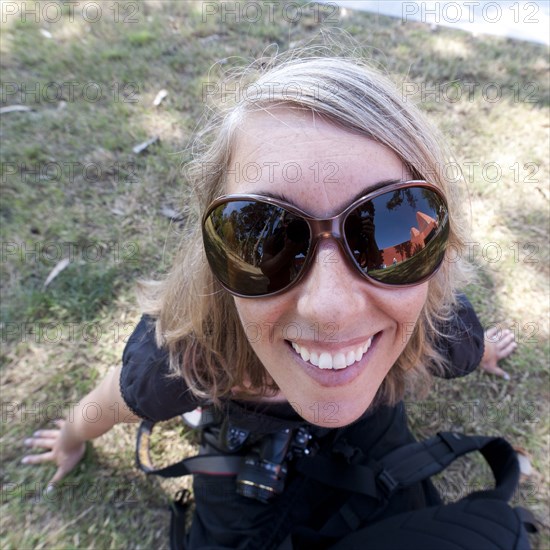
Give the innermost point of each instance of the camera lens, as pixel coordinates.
(261, 479)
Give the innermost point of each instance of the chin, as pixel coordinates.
(331, 412)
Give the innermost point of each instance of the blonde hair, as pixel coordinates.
(197, 320)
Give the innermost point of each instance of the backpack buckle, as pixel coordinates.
(387, 482)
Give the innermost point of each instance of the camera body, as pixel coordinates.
(265, 466)
(266, 457)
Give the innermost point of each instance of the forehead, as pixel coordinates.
(307, 160)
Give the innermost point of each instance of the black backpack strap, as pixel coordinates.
(355, 478)
(215, 464)
(404, 467)
(417, 461)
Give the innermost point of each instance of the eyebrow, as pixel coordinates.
(365, 191)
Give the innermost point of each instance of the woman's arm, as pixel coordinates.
(65, 445)
(108, 399)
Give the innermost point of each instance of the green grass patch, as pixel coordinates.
(140, 38)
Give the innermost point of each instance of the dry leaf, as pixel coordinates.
(60, 266)
(14, 109)
(169, 212)
(172, 214)
(159, 97)
(524, 460)
(140, 147)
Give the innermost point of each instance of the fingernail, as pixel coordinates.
(24, 460)
(27, 441)
(50, 489)
(506, 376)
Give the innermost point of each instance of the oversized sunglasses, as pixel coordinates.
(260, 246)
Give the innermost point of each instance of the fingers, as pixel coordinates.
(496, 370)
(504, 338)
(38, 458)
(58, 476)
(507, 336)
(499, 337)
(45, 438)
(499, 344)
(38, 441)
(41, 439)
(64, 458)
(506, 350)
(47, 433)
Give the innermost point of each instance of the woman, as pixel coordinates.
(325, 296)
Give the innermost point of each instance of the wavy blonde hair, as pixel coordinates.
(197, 320)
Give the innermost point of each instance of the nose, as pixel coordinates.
(331, 292)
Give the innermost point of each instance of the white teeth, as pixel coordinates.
(339, 360)
(325, 360)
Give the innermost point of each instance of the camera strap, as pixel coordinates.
(213, 461)
(214, 464)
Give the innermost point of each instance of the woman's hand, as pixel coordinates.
(498, 345)
(64, 454)
(65, 446)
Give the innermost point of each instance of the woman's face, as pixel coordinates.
(321, 168)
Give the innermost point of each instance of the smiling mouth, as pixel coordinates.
(335, 361)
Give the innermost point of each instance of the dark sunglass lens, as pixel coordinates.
(255, 248)
(399, 237)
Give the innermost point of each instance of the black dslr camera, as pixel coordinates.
(264, 467)
(258, 460)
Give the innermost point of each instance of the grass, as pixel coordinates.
(73, 188)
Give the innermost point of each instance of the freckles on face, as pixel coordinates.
(330, 340)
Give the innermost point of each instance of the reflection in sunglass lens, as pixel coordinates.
(255, 248)
(399, 237)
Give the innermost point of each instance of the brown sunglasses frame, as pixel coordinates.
(329, 228)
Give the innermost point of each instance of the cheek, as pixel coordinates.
(259, 318)
(405, 307)
(251, 311)
(408, 302)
